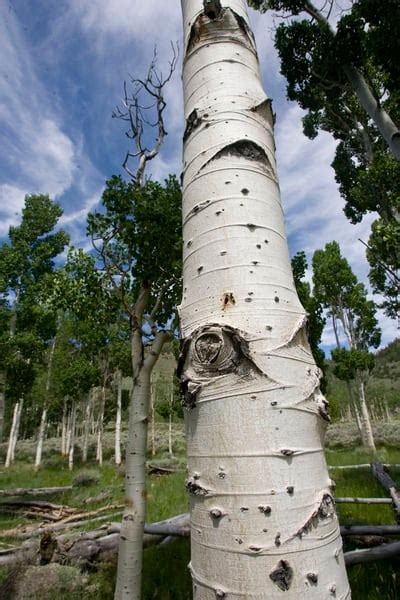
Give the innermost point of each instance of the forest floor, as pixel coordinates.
(166, 576)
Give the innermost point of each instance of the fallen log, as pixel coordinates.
(385, 551)
(387, 482)
(35, 491)
(41, 504)
(156, 470)
(363, 500)
(23, 532)
(360, 530)
(97, 545)
(362, 466)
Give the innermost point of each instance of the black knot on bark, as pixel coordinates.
(282, 576)
(212, 9)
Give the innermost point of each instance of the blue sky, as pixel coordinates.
(62, 68)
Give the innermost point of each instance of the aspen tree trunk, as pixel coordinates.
(262, 515)
(369, 436)
(2, 402)
(118, 420)
(153, 418)
(11, 436)
(68, 435)
(71, 444)
(99, 452)
(16, 431)
(387, 412)
(130, 549)
(64, 426)
(43, 420)
(171, 400)
(39, 447)
(86, 426)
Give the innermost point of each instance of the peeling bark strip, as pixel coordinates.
(261, 511)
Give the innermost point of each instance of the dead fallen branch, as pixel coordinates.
(385, 551)
(362, 466)
(387, 482)
(38, 509)
(361, 530)
(363, 500)
(97, 545)
(23, 532)
(35, 491)
(63, 519)
(156, 470)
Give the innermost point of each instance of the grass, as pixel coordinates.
(166, 576)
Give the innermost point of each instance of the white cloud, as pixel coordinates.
(37, 154)
(11, 203)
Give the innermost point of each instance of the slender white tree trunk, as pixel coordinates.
(2, 402)
(118, 420)
(99, 452)
(153, 419)
(359, 423)
(369, 436)
(387, 412)
(72, 437)
(11, 436)
(16, 431)
(64, 429)
(373, 108)
(39, 447)
(69, 433)
(130, 551)
(262, 515)
(43, 420)
(86, 426)
(171, 400)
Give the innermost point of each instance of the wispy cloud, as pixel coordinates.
(37, 154)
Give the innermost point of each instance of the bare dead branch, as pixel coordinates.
(138, 112)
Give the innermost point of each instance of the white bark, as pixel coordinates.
(171, 400)
(64, 427)
(2, 402)
(387, 412)
(43, 420)
(386, 127)
(16, 430)
(42, 431)
(153, 418)
(118, 420)
(380, 117)
(69, 433)
(86, 426)
(130, 552)
(71, 445)
(369, 436)
(99, 451)
(11, 436)
(262, 514)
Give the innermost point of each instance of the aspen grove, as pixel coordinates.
(262, 515)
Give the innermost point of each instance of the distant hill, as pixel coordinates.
(383, 386)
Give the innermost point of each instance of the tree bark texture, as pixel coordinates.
(71, 445)
(367, 427)
(130, 553)
(2, 402)
(11, 436)
(118, 420)
(42, 431)
(262, 514)
(374, 110)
